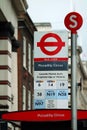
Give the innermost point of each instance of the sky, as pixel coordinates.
(54, 11)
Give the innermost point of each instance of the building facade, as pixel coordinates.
(16, 44)
(26, 30)
(81, 80)
(43, 26)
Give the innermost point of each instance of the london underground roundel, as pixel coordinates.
(58, 43)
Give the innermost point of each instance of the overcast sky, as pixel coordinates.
(54, 11)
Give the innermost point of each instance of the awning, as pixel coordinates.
(43, 115)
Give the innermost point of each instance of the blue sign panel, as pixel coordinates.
(51, 94)
(62, 94)
(39, 104)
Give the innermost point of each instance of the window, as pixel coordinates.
(24, 52)
(24, 98)
(29, 58)
(29, 100)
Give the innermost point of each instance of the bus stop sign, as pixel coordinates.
(73, 21)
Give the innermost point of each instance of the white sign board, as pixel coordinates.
(50, 69)
(51, 44)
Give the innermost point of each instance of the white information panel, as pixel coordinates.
(51, 70)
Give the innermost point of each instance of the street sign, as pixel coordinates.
(55, 65)
(43, 115)
(73, 21)
(50, 69)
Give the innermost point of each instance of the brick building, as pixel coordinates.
(16, 44)
(26, 30)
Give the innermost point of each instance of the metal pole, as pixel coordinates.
(73, 80)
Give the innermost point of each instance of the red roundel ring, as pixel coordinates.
(43, 44)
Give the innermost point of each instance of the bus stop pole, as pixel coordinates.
(73, 81)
